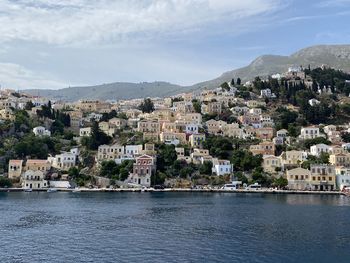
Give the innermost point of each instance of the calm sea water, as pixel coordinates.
(173, 227)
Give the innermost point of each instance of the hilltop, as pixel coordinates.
(335, 56)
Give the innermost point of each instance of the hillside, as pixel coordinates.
(118, 90)
(336, 56)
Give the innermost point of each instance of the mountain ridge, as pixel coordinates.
(336, 56)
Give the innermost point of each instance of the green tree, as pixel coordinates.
(158, 178)
(186, 172)
(206, 168)
(218, 146)
(285, 117)
(259, 177)
(125, 169)
(57, 127)
(36, 147)
(166, 157)
(243, 160)
(147, 106)
(280, 182)
(73, 172)
(225, 86)
(5, 182)
(107, 116)
(345, 137)
(241, 177)
(22, 120)
(96, 139)
(197, 106)
(29, 105)
(109, 169)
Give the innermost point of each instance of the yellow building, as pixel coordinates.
(15, 169)
(293, 158)
(299, 179)
(340, 159)
(148, 126)
(196, 140)
(211, 107)
(38, 165)
(151, 137)
(271, 163)
(263, 148)
(323, 177)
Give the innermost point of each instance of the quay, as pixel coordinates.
(174, 190)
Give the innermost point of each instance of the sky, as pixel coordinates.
(52, 44)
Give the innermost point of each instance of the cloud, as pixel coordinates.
(14, 76)
(77, 22)
(333, 3)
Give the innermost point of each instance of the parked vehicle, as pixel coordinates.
(254, 186)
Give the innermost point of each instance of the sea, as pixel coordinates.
(173, 227)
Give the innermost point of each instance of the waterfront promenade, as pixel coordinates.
(119, 190)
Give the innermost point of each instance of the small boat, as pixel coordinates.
(28, 190)
(76, 190)
(51, 190)
(346, 191)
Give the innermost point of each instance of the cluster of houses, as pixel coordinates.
(33, 173)
(176, 121)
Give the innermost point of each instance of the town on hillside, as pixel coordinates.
(288, 131)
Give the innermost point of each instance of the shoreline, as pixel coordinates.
(179, 190)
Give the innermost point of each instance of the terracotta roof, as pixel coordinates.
(16, 161)
(36, 161)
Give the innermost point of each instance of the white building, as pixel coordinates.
(94, 117)
(329, 129)
(110, 152)
(342, 176)
(283, 133)
(34, 180)
(85, 132)
(266, 93)
(191, 128)
(64, 161)
(317, 149)
(41, 131)
(346, 146)
(133, 150)
(221, 167)
(38, 102)
(310, 133)
(314, 102)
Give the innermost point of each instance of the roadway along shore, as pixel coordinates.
(262, 191)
